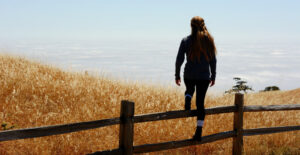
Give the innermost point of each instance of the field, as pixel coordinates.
(33, 94)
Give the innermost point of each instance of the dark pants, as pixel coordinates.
(201, 88)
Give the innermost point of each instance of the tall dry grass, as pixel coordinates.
(33, 95)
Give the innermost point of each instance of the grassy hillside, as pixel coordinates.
(33, 95)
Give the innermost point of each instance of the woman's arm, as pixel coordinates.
(213, 65)
(179, 60)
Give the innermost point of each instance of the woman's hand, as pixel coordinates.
(178, 81)
(212, 83)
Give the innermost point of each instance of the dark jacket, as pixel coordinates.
(202, 70)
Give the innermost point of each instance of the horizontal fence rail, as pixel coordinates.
(261, 131)
(127, 120)
(182, 143)
(255, 108)
(55, 129)
(181, 114)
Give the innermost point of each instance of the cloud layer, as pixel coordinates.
(261, 64)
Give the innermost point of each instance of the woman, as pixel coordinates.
(200, 68)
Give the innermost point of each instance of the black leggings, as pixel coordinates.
(201, 88)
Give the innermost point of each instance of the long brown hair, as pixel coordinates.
(202, 42)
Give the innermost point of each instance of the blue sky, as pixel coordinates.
(148, 20)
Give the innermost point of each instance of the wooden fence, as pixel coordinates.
(127, 120)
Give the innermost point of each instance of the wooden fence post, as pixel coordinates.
(126, 128)
(237, 148)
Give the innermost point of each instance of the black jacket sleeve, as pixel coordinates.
(179, 59)
(213, 65)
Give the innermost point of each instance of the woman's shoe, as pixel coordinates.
(198, 134)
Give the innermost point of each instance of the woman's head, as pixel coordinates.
(197, 23)
(202, 42)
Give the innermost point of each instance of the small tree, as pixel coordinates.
(239, 86)
(271, 88)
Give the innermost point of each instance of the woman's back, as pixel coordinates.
(195, 68)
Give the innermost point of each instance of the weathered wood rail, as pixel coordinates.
(127, 120)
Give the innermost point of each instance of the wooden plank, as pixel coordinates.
(55, 129)
(220, 110)
(126, 128)
(261, 131)
(181, 114)
(107, 152)
(182, 143)
(256, 108)
(237, 148)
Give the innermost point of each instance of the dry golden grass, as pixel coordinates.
(33, 95)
